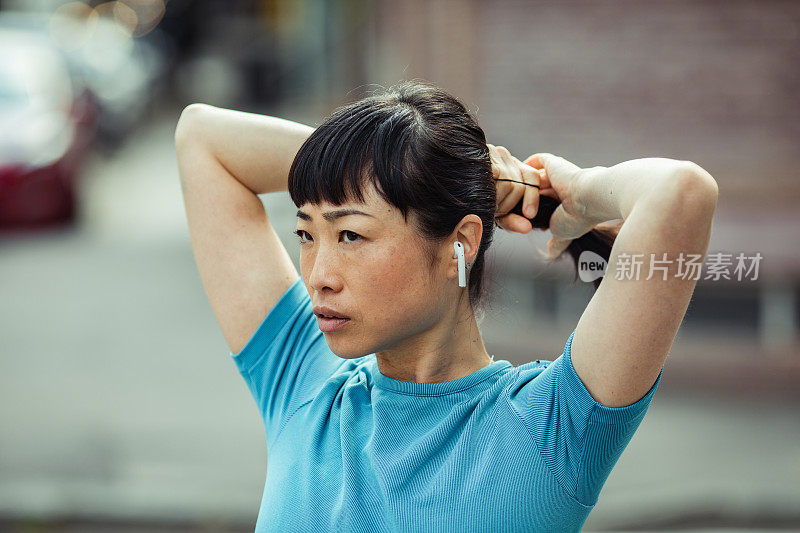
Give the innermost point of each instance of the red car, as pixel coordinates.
(45, 132)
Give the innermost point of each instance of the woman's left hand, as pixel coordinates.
(569, 220)
(506, 166)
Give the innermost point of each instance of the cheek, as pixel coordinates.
(397, 282)
(396, 268)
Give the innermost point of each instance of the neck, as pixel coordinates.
(450, 349)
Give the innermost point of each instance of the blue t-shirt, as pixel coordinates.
(505, 448)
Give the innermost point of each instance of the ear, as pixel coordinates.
(469, 231)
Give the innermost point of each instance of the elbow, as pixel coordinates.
(697, 187)
(187, 128)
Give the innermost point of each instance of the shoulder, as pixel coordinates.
(527, 371)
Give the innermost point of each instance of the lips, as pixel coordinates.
(327, 312)
(330, 320)
(329, 325)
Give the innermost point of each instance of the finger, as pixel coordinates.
(610, 225)
(502, 150)
(530, 199)
(564, 226)
(549, 192)
(495, 168)
(554, 166)
(534, 161)
(495, 159)
(506, 223)
(516, 223)
(544, 179)
(542, 160)
(508, 159)
(556, 247)
(512, 198)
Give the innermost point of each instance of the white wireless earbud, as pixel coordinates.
(462, 269)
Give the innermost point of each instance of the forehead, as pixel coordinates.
(373, 206)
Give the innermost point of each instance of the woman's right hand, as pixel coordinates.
(507, 167)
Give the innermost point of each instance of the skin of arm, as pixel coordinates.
(257, 150)
(608, 193)
(225, 160)
(625, 333)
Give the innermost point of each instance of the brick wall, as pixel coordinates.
(603, 81)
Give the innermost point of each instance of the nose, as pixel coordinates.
(324, 271)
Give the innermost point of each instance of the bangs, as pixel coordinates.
(370, 141)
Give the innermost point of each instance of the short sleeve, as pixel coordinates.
(287, 359)
(579, 438)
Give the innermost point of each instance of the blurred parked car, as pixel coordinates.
(124, 74)
(46, 126)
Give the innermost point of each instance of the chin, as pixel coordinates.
(346, 350)
(350, 355)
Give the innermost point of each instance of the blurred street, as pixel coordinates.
(120, 407)
(118, 399)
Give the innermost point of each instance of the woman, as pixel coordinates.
(382, 408)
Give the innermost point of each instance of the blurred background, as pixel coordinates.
(120, 409)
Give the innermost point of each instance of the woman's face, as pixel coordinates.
(370, 267)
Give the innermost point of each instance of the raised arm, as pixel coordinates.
(225, 159)
(625, 333)
(256, 150)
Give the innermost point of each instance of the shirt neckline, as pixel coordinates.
(436, 389)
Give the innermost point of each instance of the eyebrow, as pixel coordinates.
(330, 216)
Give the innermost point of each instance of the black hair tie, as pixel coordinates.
(515, 181)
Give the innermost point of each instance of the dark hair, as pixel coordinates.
(423, 151)
(598, 241)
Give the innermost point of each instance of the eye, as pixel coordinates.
(299, 233)
(354, 235)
